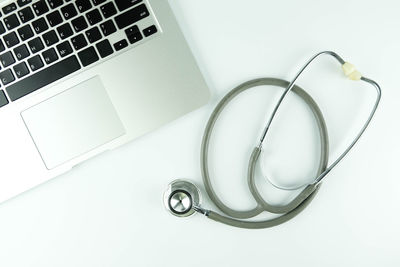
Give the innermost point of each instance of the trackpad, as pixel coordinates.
(73, 122)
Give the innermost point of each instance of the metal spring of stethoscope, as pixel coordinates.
(183, 198)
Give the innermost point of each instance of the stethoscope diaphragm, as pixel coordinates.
(181, 198)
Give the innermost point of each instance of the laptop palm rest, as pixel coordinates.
(73, 122)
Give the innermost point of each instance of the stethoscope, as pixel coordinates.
(183, 198)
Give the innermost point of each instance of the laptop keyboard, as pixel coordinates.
(46, 40)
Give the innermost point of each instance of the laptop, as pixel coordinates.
(80, 77)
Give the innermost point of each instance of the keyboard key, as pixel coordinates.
(79, 24)
(21, 52)
(7, 59)
(25, 32)
(21, 70)
(40, 25)
(50, 38)
(22, 3)
(88, 56)
(11, 22)
(54, 18)
(26, 14)
(55, 3)
(93, 35)
(105, 49)
(125, 4)
(150, 31)
(2, 29)
(35, 63)
(133, 34)
(3, 99)
(79, 42)
(108, 27)
(69, 11)
(108, 10)
(83, 5)
(43, 78)
(9, 8)
(11, 39)
(131, 16)
(98, 2)
(65, 31)
(2, 48)
(121, 45)
(94, 17)
(40, 7)
(35, 45)
(64, 49)
(50, 56)
(6, 77)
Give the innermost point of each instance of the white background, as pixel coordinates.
(108, 211)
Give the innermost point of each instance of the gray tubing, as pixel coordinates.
(236, 218)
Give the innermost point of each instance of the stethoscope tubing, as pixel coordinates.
(301, 201)
(293, 208)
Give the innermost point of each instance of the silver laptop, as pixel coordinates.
(79, 77)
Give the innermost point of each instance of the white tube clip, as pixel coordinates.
(351, 72)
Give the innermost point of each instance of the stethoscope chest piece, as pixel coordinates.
(181, 197)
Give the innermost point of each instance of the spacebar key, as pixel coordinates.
(43, 78)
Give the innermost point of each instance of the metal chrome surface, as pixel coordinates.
(180, 202)
(181, 198)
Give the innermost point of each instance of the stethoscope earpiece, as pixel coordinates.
(181, 198)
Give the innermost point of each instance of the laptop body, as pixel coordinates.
(85, 76)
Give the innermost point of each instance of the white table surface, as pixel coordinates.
(108, 211)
